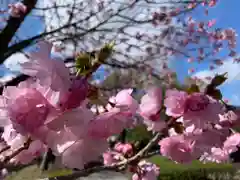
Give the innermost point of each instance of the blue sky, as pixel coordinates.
(226, 14)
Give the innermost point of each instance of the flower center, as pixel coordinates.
(197, 102)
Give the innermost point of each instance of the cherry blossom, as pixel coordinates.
(82, 152)
(76, 94)
(50, 72)
(51, 110)
(151, 104)
(177, 149)
(27, 109)
(148, 171)
(201, 109)
(175, 102)
(15, 10)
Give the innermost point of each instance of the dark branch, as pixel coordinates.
(12, 26)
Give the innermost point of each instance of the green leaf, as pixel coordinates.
(88, 62)
(193, 89)
(215, 93)
(218, 80)
(139, 133)
(105, 52)
(83, 63)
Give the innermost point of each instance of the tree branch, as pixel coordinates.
(15, 153)
(114, 167)
(12, 26)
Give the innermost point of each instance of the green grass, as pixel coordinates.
(167, 166)
(194, 171)
(169, 170)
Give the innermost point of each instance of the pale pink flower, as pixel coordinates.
(177, 149)
(35, 150)
(211, 23)
(151, 104)
(229, 119)
(50, 72)
(46, 91)
(27, 108)
(60, 141)
(109, 123)
(201, 109)
(148, 171)
(202, 142)
(13, 138)
(190, 60)
(124, 101)
(212, 3)
(124, 148)
(15, 10)
(76, 121)
(232, 143)
(175, 102)
(191, 70)
(155, 126)
(217, 155)
(76, 94)
(83, 151)
(109, 158)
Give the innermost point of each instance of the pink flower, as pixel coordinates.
(17, 9)
(83, 151)
(110, 158)
(175, 102)
(211, 23)
(217, 155)
(212, 3)
(232, 143)
(177, 149)
(155, 126)
(124, 101)
(26, 108)
(200, 110)
(76, 94)
(202, 142)
(35, 150)
(75, 121)
(151, 104)
(13, 138)
(109, 123)
(124, 148)
(148, 171)
(50, 72)
(229, 119)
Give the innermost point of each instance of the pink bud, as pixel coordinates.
(16, 9)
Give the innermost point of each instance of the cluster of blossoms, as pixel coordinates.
(16, 9)
(50, 110)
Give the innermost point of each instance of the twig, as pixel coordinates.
(142, 152)
(12, 26)
(114, 167)
(15, 153)
(5, 149)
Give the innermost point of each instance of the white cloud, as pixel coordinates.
(55, 18)
(7, 78)
(232, 69)
(12, 63)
